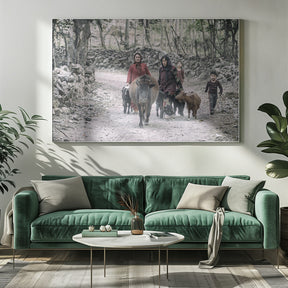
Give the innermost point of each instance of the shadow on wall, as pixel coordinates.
(53, 159)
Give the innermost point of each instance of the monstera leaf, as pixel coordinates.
(278, 142)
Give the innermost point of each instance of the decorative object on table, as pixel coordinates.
(159, 235)
(278, 143)
(91, 228)
(108, 228)
(127, 201)
(12, 140)
(102, 228)
(137, 225)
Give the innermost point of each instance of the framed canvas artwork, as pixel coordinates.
(145, 80)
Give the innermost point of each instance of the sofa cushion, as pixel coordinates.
(240, 197)
(60, 226)
(102, 190)
(205, 197)
(195, 225)
(164, 192)
(63, 194)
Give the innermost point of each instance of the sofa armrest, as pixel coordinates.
(267, 212)
(25, 210)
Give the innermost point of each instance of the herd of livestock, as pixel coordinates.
(144, 91)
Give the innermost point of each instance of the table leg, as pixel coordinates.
(167, 263)
(13, 251)
(159, 258)
(104, 261)
(91, 266)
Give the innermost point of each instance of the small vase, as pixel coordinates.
(137, 225)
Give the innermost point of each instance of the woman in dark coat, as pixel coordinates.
(169, 83)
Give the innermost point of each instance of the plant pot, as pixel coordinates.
(137, 226)
(284, 228)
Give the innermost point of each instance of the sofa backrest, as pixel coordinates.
(102, 190)
(164, 192)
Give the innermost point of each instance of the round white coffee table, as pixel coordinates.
(126, 240)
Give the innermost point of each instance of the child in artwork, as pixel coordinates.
(212, 88)
(180, 72)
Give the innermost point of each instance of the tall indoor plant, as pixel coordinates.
(278, 143)
(13, 138)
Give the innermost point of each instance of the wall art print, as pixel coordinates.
(170, 65)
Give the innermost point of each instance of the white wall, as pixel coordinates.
(25, 80)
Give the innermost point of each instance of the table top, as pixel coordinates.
(126, 240)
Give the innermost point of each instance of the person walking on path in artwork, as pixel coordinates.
(169, 83)
(180, 72)
(212, 88)
(181, 76)
(136, 70)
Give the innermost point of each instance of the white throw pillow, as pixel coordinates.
(241, 194)
(63, 194)
(202, 197)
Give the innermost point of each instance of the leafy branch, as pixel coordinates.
(13, 138)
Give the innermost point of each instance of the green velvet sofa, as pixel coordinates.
(157, 199)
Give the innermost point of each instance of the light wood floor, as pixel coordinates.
(58, 255)
(138, 258)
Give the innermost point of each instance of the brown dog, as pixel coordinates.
(192, 100)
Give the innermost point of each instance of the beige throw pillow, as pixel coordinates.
(63, 194)
(202, 197)
(241, 194)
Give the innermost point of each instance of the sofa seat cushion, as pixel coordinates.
(60, 226)
(195, 225)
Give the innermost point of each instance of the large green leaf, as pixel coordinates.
(281, 122)
(274, 133)
(276, 150)
(270, 109)
(24, 115)
(37, 117)
(277, 169)
(285, 99)
(267, 143)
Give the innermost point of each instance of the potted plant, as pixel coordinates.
(13, 138)
(278, 144)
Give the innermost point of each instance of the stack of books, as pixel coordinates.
(98, 233)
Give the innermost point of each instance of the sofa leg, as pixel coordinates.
(278, 257)
(13, 258)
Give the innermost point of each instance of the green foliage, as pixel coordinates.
(13, 138)
(278, 142)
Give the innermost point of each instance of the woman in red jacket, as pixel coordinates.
(137, 69)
